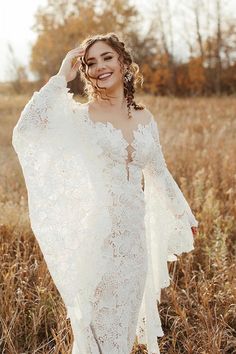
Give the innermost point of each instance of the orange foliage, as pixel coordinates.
(196, 75)
(63, 24)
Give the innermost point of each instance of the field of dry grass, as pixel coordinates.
(198, 311)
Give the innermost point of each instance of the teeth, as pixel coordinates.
(104, 75)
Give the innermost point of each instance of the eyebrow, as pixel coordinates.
(101, 55)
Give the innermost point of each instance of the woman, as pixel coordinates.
(106, 236)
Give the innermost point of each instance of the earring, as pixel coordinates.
(128, 76)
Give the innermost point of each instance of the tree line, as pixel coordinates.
(207, 33)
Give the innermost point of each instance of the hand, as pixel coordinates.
(194, 230)
(70, 65)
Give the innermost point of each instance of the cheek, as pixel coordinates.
(117, 70)
(115, 64)
(119, 74)
(90, 73)
(120, 71)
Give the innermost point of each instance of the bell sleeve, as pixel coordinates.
(63, 167)
(168, 221)
(169, 215)
(41, 111)
(166, 184)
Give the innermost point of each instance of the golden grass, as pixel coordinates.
(198, 311)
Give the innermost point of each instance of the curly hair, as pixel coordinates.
(131, 77)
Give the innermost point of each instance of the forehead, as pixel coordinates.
(97, 49)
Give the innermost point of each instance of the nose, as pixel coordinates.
(100, 66)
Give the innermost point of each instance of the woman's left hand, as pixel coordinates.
(194, 230)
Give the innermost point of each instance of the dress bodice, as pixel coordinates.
(127, 159)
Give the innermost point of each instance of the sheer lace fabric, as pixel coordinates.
(105, 237)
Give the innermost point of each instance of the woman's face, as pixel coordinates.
(103, 65)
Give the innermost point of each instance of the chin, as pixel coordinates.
(111, 85)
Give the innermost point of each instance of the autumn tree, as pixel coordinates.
(16, 72)
(209, 35)
(162, 16)
(63, 24)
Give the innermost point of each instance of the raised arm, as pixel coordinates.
(35, 117)
(42, 108)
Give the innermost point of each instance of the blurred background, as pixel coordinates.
(183, 47)
(186, 51)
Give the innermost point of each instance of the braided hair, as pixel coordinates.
(131, 77)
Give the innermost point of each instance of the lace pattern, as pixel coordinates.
(158, 168)
(128, 151)
(86, 201)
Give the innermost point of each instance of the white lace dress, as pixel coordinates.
(107, 214)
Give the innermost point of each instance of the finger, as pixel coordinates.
(76, 54)
(79, 49)
(76, 60)
(76, 66)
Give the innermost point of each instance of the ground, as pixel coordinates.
(198, 311)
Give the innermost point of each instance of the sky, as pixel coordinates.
(17, 18)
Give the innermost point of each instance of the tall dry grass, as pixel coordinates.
(198, 311)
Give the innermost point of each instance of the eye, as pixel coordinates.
(107, 58)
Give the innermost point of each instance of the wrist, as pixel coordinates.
(59, 74)
(58, 81)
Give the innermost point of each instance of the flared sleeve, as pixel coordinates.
(173, 208)
(67, 196)
(168, 222)
(37, 116)
(166, 185)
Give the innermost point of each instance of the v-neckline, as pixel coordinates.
(106, 124)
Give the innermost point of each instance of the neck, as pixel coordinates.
(117, 100)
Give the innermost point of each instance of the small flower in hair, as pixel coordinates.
(128, 76)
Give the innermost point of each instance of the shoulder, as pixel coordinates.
(144, 116)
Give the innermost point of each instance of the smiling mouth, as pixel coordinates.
(103, 78)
